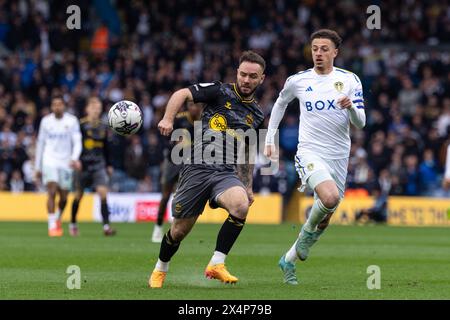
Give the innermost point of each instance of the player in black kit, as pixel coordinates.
(96, 168)
(230, 111)
(170, 171)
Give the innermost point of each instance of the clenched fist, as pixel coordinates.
(165, 127)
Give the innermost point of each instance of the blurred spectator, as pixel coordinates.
(379, 157)
(147, 111)
(412, 177)
(28, 172)
(397, 187)
(69, 78)
(3, 181)
(100, 41)
(377, 213)
(428, 171)
(289, 136)
(155, 152)
(361, 172)
(145, 185)
(116, 146)
(398, 124)
(430, 84)
(408, 97)
(136, 159)
(16, 182)
(385, 181)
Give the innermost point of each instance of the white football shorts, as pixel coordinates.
(307, 164)
(63, 177)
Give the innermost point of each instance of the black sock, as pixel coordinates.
(228, 234)
(75, 204)
(62, 206)
(168, 248)
(105, 212)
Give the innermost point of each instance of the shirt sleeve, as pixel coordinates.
(205, 92)
(357, 114)
(76, 141)
(279, 108)
(42, 134)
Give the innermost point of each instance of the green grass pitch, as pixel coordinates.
(414, 263)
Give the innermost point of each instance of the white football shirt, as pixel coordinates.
(324, 127)
(59, 141)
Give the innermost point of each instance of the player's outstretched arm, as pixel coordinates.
(355, 104)
(77, 146)
(175, 103)
(279, 108)
(39, 151)
(357, 117)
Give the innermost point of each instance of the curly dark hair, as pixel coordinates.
(327, 34)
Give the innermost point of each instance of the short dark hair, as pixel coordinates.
(252, 56)
(327, 34)
(57, 96)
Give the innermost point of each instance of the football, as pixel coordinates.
(125, 117)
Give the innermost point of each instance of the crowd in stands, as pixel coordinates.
(144, 52)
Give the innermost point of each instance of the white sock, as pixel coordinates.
(52, 218)
(106, 226)
(58, 214)
(162, 266)
(72, 225)
(217, 258)
(318, 212)
(291, 255)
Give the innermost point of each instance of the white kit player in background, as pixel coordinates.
(57, 154)
(330, 99)
(446, 180)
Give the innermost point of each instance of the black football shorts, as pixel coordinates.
(199, 184)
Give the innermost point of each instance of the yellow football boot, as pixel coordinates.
(220, 272)
(157, 279)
